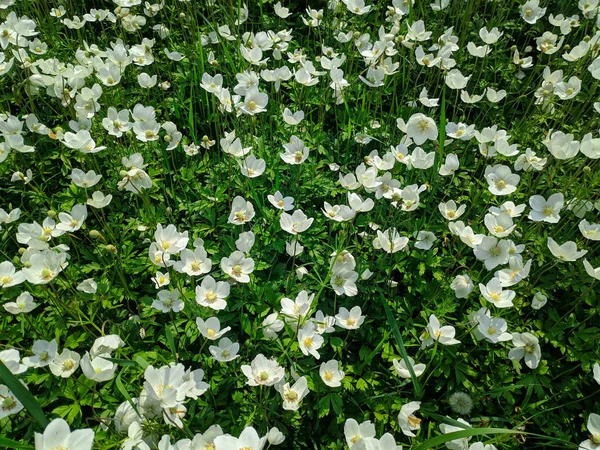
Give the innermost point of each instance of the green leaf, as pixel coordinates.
(442, 439)
(24, 396)
(9, 443)
(337, 403)
(122, 362)
(171, 341)
(125, 394)
(141, 362)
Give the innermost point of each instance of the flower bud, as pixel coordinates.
(275, 437)
(52, 214)
(94, 234)
(111, 248)
(587, 169)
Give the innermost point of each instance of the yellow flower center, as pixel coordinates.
(414, 421)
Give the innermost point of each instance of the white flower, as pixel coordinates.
(193, 263)
(591, 271)
(331, 374)
(590, 230)
(596, 372)
(281, 11)
(425, 240)
(295, 223)
(590, 147)
(433, 332)
(248, 439)
(456, 444)
(168, 301)
(10, 403)
(420, 128)
(85, 179)
(169, 240)
(293, 395)
(73, 221)
(275, 437)
(65, 364)
(9, 276)
(97, 369)
(292, 118)
(500, 225)
(494, 294)
(212, 294)
(343, 281)
(516, 271)
(593, 426)
(353, 432)
(390, 241)
(225, 350)
(272, 325)
(401, 367)
(561, 145)
(462, 286)
(211, 328)
(254, 102)
(493, 329)
(58, 435)
(146, 81)
(501, 181)
(88, 286)
(509, 208)
(529, 161)
(43, 353)
(281, 202)
(531, 11)
(456, 80)
(23, 304)
(263, 371)
(242, 211)
(295, 151)
(238, 267)
(350, 320)
(526, 346)
(492, 251)
(495, 96)
(539, 300)
(546, 210)
(407, 421)
(252, 167)
(565, 252)
(99, 200)
(490, 37)
(450, 210)
(450, 166)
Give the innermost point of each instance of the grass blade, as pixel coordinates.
(436, 441)
(24, 396)
(400, 342)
